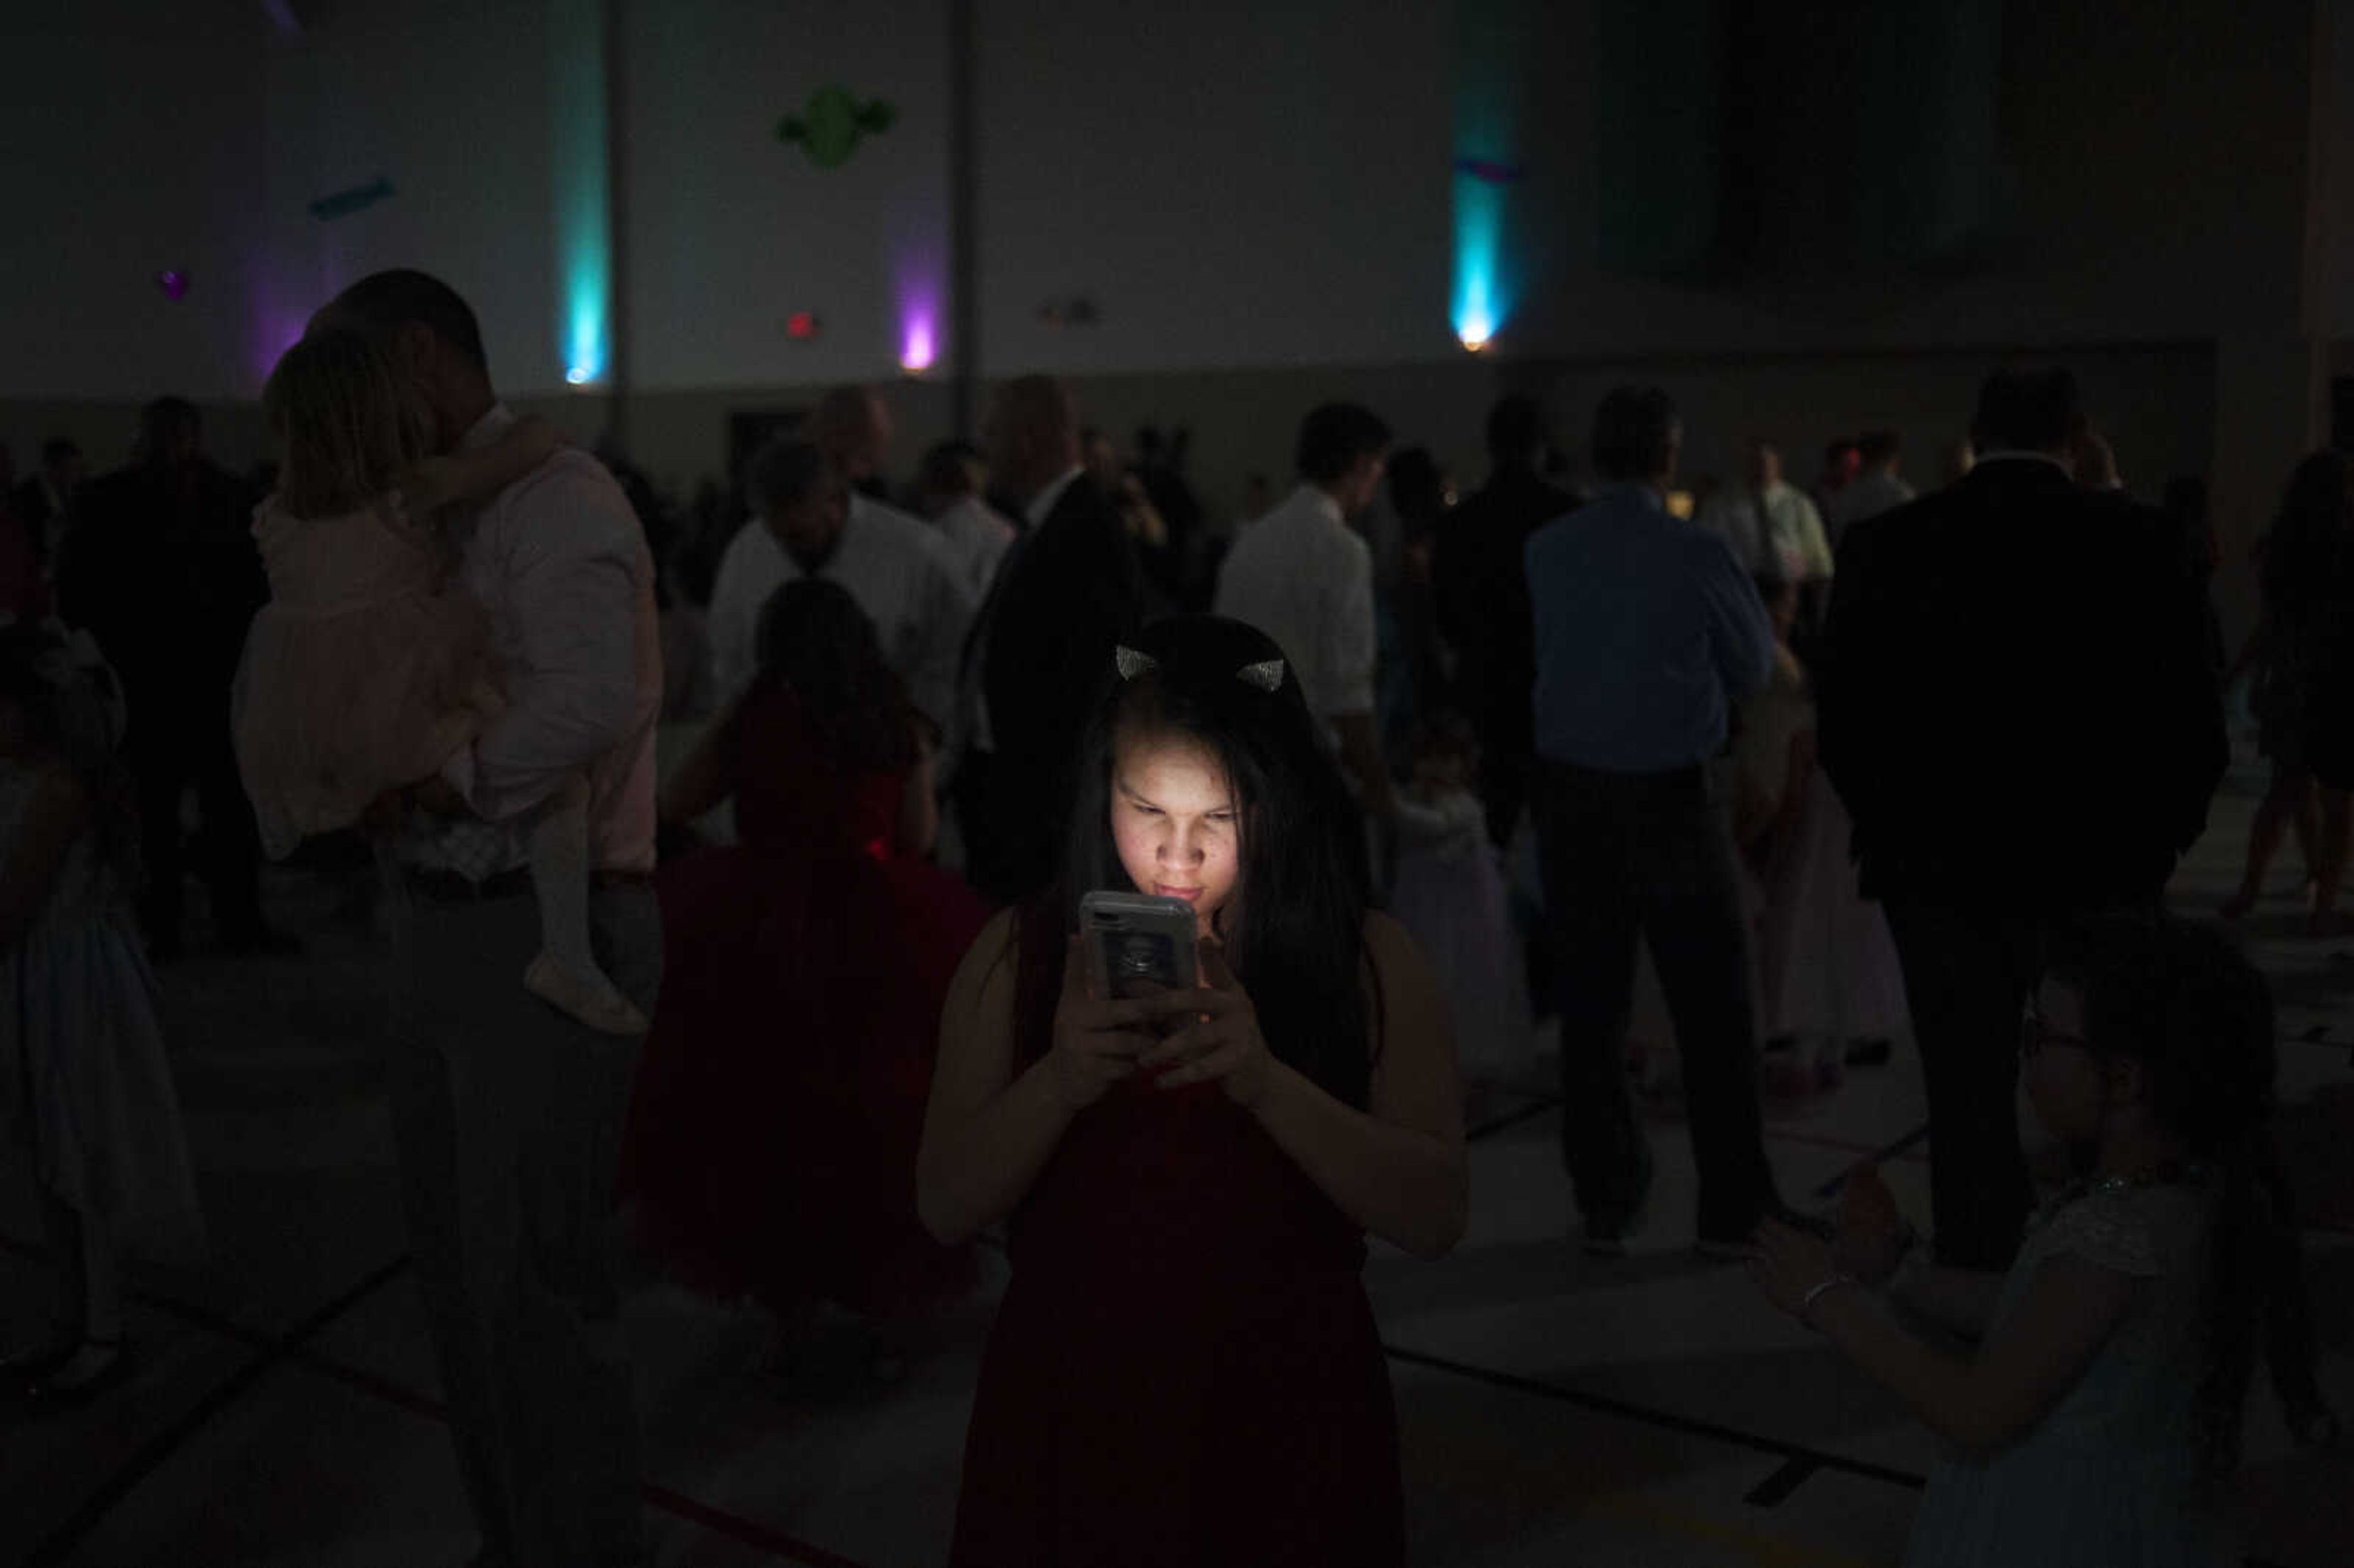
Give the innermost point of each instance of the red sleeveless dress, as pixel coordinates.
(1185, 1368)
(779, 1101)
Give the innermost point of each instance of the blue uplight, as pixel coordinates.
(1482, 298)
(582, 214)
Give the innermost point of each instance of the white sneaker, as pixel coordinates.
(588, 997)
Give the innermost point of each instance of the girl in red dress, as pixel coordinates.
(771, 1140)
(1185, 1368)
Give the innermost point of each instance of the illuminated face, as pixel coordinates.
(1174, 821)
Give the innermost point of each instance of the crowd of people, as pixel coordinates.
(812, 1006)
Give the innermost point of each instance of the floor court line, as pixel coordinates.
(151, 1455)
(679, 1505)
(790, 1548)
(1627, 1410)
(1904, 1150)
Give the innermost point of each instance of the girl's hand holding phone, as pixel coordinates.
(1222, 1044)
(1096, 1041)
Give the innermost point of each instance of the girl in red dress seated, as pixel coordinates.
(772, 1139)
(1185, 1369)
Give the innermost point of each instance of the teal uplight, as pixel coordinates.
(1481, 301)
(1491, 52)
(581, 186)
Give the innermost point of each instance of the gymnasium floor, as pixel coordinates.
(1554, 1409)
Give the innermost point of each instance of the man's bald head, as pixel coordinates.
(852, 425)
(1033, 433)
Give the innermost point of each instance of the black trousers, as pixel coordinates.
(1651, 855)
(1968, 973)
(176, 740)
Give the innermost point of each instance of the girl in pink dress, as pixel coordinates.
(371, 667)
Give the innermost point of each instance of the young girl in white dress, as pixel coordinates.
(371, 666)
(1449, 892)
(2097, 1423)
(1828, 982)
(86, 1093)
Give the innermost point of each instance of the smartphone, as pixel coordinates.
(1137, 943)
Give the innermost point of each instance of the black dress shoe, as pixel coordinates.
(23, 1368)
(49, 1392)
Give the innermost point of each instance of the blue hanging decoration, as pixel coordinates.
(343, 203)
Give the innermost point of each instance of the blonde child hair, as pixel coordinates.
(348, 425)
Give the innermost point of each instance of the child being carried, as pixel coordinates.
(371, 667)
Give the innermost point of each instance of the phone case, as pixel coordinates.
(1135, 940)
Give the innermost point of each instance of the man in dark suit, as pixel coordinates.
(1480, 584)
(1070, 589)
(2019, 708)
(161, 568)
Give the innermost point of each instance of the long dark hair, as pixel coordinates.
(1296, 938)
(2308, 546)
(815, 642)
(2179, 1000)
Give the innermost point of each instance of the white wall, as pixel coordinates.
(1260, 198)
(731, 230)
(451, 102)
(1233, 184)
(2155, 164)
(122, 162)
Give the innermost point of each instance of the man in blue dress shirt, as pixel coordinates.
(1648, 634)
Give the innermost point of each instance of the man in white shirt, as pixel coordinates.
(1300, 575)
(806, 522)
(506, 1114)
(1875, 490)
(1773, 526)
(948, 486)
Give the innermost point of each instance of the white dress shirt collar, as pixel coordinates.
(1316, 498)
(1045, 501)
(2022, 454)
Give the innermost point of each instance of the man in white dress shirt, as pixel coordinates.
(949, 485)
(507, 1115)
(807, 521)
(1300, 575)
(1773, 527)
(1876, 488)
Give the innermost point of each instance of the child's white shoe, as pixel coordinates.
(589, 998)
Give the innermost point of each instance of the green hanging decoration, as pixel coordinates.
(830, 129)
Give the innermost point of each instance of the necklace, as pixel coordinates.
(2171, 1173)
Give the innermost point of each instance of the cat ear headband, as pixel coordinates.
(1266, 674)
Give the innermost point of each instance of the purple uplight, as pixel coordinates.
(915, 346)
(173, 282)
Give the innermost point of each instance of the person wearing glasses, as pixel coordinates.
(2095, 1418)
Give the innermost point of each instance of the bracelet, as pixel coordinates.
(1807, 1302)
